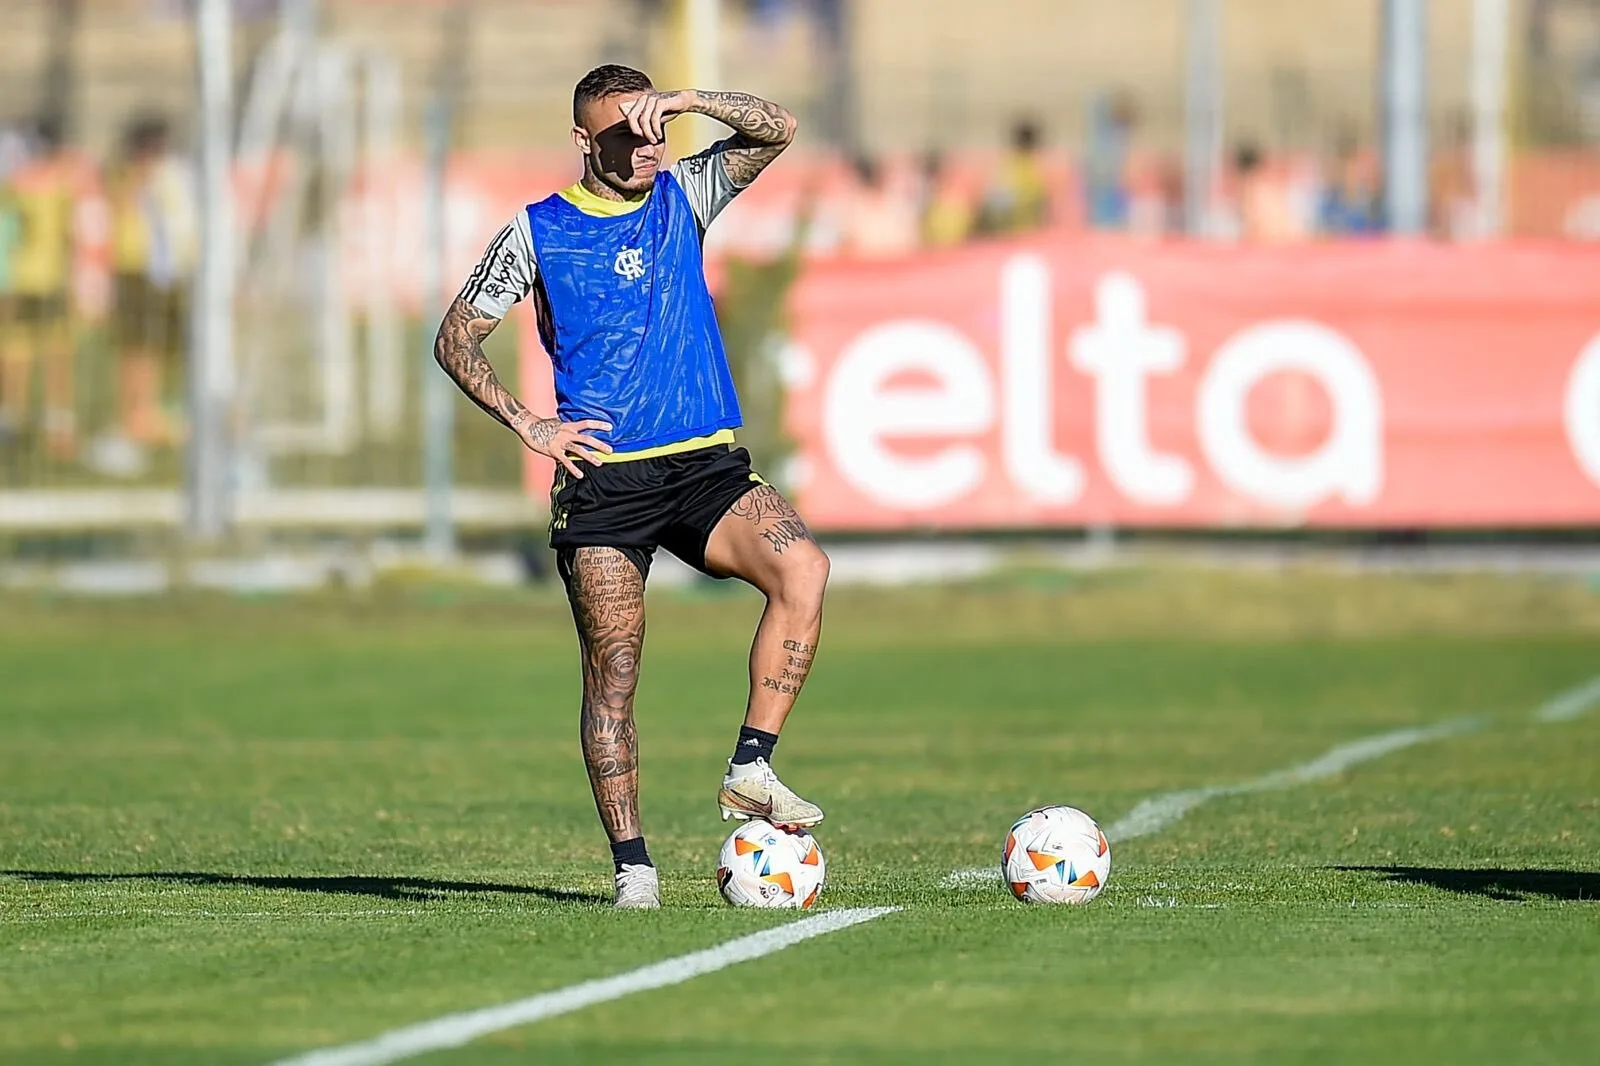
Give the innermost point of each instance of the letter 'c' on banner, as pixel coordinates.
(861, 410)
(1349, 463)
(1582, 409)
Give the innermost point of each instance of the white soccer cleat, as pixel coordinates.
(752, 790)
(638, 888)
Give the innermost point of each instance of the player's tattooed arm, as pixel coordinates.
(458, 348)
(762, 130)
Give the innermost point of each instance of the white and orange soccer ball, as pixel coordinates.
(764, 866)
(1056, 855)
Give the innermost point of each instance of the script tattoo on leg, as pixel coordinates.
(774, 517)
(607, 593)
(796, 668)
(784, 532)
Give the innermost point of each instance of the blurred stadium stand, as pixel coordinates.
(926, 95)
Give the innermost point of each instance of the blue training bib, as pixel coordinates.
(633, 334)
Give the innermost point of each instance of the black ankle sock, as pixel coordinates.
(631, 852)
(753, 744)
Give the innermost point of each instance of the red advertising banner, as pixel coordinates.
(1104, 381)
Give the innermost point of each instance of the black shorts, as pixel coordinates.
(40, 309)
(671, 502)
(148, 317)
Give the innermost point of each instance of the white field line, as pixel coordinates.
(1571, 704)
(1158, 812)
(454, 1030)
(225, 916)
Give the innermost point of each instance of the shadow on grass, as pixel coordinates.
(393, 888)
(1509, 885)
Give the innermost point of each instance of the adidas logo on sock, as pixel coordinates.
(751, 743)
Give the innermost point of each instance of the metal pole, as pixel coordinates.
(60, 75)
(438, 405)
(1202, 114)
(1405, 104)
(1491, 49)
(211, 376)
(703, 57)
(438, 395)
(386, 389)
(835, 31)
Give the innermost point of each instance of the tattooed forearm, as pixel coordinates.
(762, 130)
(759, 121)
(458, 347)
(607, 594)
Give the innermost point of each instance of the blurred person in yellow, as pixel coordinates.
(1019, 199)
(948, 212)
(154, 249)
(41, 195)
(13, 152)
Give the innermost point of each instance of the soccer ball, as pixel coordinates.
(764, 866)
(1056, 855)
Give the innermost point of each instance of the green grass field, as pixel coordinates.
(236, 830)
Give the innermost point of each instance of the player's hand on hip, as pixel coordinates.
(566, 442)
(649, 113)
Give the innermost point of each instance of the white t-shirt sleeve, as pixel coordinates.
(705, 181)
(505, 273)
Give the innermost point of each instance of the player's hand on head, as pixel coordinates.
(567, 442)
(649, 113)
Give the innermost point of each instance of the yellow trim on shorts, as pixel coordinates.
(722, 436)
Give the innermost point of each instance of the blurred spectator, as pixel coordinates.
(42, 195)
(13, 152)
(1113, 124)
(154, 247)
(1352, 197)
(1154, 194)
(881, 221)
(1265, 205)
(948, 213)
(1453, 212)
(1019, 199)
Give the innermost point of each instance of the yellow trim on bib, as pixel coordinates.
(590, 204)
(722, 436)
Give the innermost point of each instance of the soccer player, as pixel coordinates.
(643, 430)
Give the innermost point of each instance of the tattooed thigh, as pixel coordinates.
(775, 519)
